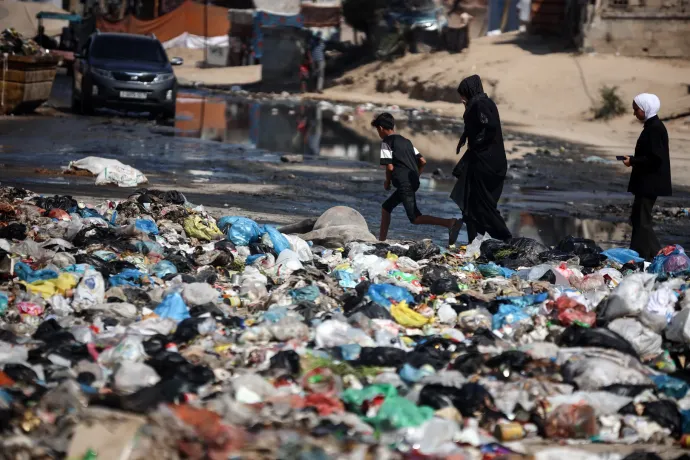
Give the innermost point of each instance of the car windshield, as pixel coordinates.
(127, 49)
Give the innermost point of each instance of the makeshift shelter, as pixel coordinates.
(22, 17)
(182, 27)
(265, 19)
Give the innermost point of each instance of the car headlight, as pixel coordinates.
(161, 77)
(102, 73)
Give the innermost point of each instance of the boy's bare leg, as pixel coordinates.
(431, 220)
(385, 223)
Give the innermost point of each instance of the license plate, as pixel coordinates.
(132, 95)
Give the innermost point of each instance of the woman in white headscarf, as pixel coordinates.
(651, 174)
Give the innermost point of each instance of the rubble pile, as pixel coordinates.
(147, 328)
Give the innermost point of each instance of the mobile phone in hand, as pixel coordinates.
(620, 158)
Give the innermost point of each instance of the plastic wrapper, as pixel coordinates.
(576, 421)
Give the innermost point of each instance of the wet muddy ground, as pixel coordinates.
(224, 152)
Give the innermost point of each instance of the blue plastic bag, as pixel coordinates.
(508, 314)
(623, 255)
(127, 277)
(676, 262)
(382, 294)
(240, 230)
(4, 303)
(149, 247)
(345, 279)
(307, 293)
(350, 351)
(26, 273)
(411, 374)
(253, 258)
(492, 270)
(164, 268)
(173, 307)
(670, 386)
(525, 300)
(280, 243)
(146, 226)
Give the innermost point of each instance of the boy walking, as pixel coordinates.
(404, 164)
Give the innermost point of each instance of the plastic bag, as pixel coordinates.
(164, 268)
(383, 294)
(660, 309)
(173, 307)
(278, 240)
(127, 277)
(288, 262)
(573, 421)
(491, 270)
(90, 291)
(195, 227)
(393, 412)
(146, 226)
(629, 298)
(670, 386)
(671, 260)
(646, 342)
(110, 171)
(678, 329)
(240, 230)
(26, 273)
(199, 294)
(301, 247)
(623, 255)
(474, 248)
(472, 320)
(568, 311)
(407, 317)
(508, 315)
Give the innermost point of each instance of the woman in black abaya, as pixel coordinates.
(482, 169)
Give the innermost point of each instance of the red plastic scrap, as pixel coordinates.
(568, 311)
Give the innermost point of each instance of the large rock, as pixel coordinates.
(335, 228)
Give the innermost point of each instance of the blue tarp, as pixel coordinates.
(264, 19)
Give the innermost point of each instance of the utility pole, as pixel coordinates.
(205, 32)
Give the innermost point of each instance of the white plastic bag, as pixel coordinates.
(288, 262)
(678, 329)
(301, 247)
(199, 294)
(132, 376)
(90, 291)
(110, 171)
(646, 342)
(630, 297)
(474, 248)
(659, 309)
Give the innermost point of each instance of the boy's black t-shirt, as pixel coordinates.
(400, 152)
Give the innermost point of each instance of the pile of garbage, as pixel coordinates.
(147, 328)
(13, 43)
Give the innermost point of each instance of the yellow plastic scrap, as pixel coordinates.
(48, 288)
(195, 227)
(391, 256)
(343, 266)
(407, 317)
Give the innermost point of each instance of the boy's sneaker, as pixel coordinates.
(454, 231)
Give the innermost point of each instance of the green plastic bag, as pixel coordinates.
(396, 412)
(195, 227)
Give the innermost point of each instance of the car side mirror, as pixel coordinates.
(176, 61)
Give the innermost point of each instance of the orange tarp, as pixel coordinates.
(189, 17)
(196, 114)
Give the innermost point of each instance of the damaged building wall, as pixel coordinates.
(644, 29)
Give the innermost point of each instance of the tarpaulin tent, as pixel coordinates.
(183, 26)
(317, 15)
(22, 17)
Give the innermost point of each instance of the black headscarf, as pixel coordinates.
(471, 87)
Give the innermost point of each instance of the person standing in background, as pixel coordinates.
(651, 174)
(318, 59)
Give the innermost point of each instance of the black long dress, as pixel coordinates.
(482, 170)
(650, 178)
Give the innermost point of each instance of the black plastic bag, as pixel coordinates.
(555, 255)
(14, 231)
(664, 412)
(445, 285)
(380, 357)
(549, 277)
(421, 250)
(575, 336)
(579, 246)
(529, 249)
(432, 273)
(471, 400)
(468, 363)
(490, 247)
(187, 330)
(592, 260)
(56, 202)
(629, 391)
(286, 360)
(20, 373)
(435, 357)
(370, 310)
(642, 455)
(509, 362)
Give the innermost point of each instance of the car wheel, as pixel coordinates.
(169, 115)
(86, 105)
